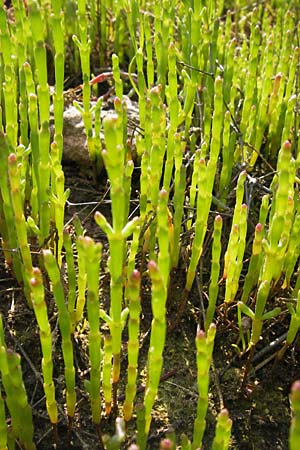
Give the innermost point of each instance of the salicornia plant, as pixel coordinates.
(118, 169)
(40, 309)
(16, 398)
(65, 330)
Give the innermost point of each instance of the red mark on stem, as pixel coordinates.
(101, 77)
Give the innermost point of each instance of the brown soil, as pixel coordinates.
(261, 414)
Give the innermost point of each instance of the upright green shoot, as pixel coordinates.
(93, 255)
(65, 330)
(40, 310)
(204, 346)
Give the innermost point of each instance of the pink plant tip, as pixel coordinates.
(135, 276)
(166, 444)
(152, 266)
(259, 228)
(36, 271)
(295, 386)
(12, 158)
(34, 282)
(117, 102)
(200, 333)
(163, 193)
(224, 412)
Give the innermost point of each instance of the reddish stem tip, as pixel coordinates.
(152, 265)
(295, 386)
(34, 282)
(259, 228)
(287, 145)
(36, 271)
(135, 276)
(12, 158)
(163, 193)
(224, 412)
(166, 444)
(200, 334)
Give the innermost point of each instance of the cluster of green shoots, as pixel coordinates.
(217, 91)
